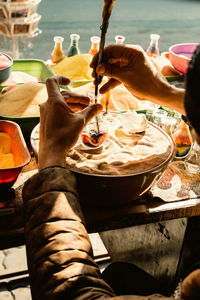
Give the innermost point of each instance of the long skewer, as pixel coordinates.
(108, 5)
(107, 9)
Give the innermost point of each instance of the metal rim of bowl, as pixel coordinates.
(10, 58)
(153, 169)
(182, 44)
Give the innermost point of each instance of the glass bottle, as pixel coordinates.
(95, 132)
(159, 117)
(170, 127)
(57, 53)
(95, 45)
(119, 39)
(183, 140)
(73, 48)
(153, 49)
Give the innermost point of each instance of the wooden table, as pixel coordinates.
(147, 210)
(150, 211)
(98, 219)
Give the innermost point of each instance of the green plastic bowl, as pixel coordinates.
(5, 73)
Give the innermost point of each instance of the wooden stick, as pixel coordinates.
(107, 9)
(107, 100)
(108, 6)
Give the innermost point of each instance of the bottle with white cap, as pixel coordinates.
(73, 48)
(57, 53)
(94, 45)
(119, 39)
(153, 49)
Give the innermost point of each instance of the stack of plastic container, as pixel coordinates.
(19, 18)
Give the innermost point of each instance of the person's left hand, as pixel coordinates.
(191, 286)
(60, 127)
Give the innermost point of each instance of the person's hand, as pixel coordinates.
(60, 127)
(131, 66)
(191, 286)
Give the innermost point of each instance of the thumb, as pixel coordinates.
(89, 112)
(110, 70)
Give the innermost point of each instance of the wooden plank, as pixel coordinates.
(147, 210)
(103, 219)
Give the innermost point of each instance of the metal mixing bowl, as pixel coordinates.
(110, 190)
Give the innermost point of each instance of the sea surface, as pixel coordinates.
(176, 21)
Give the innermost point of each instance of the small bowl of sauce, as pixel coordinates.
(181, 54)
(6, 63)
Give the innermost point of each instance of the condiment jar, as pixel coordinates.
(57, 53)
(73, 48)
(153, 49)
(94, 45)
(183, 139)
(119, 39)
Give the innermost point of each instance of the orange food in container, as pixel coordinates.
(18, 149)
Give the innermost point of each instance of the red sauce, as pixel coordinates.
(4, 61)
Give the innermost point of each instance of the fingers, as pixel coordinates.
(117, 51)
(76, 107)
(89, 112)
(75, 98)
(53, 83)
(109, 85)
(121, 61)
(110, 70)
(109, 51)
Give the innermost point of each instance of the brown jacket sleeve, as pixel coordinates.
(59, 252)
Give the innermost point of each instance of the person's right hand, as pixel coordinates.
(131, 66)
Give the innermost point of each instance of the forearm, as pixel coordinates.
(51, 155)
(58, 248)
(173, 98)
(170, 96)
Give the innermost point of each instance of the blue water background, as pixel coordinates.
(177, 21)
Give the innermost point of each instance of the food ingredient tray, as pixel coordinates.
(39, 69)
(20, 153)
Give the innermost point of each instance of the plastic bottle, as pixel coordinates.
(119, 39)
(153, 49)
(57, 53)
(95, 45)
(73, 48)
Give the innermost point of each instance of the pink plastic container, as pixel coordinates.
(19, 151)
(181, 54)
